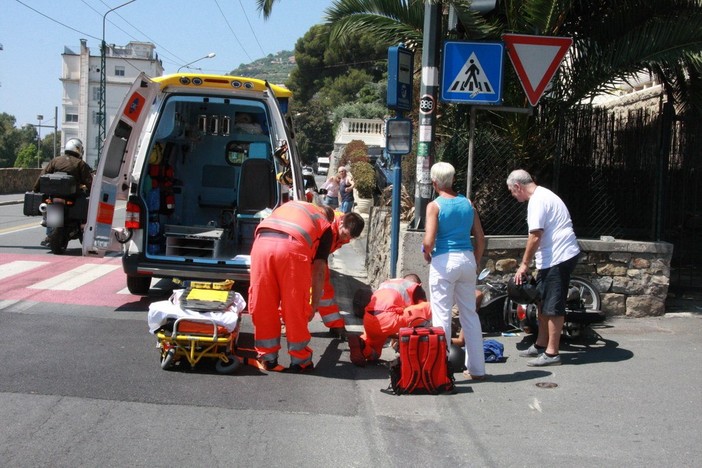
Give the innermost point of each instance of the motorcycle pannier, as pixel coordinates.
(423, 362)
(32, 200)
(57, 184)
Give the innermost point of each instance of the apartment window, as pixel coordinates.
(71, 117)
(96, 118)
(96, 93)
(119, 70)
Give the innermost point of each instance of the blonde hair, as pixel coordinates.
(443, 173)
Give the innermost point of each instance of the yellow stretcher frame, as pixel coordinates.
(196, 346)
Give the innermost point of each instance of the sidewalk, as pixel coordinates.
(11, 199)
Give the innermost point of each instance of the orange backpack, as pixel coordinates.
(423, 364)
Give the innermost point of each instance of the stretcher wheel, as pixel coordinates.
(168, 359)
(229, 367)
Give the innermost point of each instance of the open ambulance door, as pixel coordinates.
(112, 177)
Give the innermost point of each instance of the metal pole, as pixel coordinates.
(471, 149)
(39, 158)
(103, 83)
(396, 205)
(187, 65)
(55, 129)
(427, 110)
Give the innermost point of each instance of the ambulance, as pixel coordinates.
(190, 166)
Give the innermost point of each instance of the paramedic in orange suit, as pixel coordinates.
(395, 304)
(288, 261)
(328, 308)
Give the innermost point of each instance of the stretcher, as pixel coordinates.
(188, 331)
(195, 339)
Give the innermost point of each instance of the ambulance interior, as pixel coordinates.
(210, 177)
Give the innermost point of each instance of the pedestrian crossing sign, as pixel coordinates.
(472, 72)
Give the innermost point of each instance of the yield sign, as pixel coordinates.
(535, 59)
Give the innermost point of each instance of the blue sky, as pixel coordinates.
(183, 31)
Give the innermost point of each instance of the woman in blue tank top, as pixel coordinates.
(454, 259)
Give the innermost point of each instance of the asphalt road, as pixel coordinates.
(81, 385)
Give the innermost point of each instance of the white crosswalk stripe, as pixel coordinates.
(75, 278)
(19, 266)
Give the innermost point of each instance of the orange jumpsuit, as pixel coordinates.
(390, 308)
(285, 246)
(328, 308)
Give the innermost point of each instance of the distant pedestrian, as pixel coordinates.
(346, 185)
(554, 248)
(454, 258)
(332, 187)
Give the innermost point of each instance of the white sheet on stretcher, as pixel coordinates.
(161, 311)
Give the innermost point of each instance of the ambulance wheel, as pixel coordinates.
(168, 359)
(229, 367)
(139, 285)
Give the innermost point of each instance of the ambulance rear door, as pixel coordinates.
(112, 178)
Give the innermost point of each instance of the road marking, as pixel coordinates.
(19, 266)
(22, 227)
(75, 278)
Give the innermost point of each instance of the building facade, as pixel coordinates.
(80, 103)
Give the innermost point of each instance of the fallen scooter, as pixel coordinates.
(583, 308)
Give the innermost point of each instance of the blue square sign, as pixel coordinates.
(472, 72)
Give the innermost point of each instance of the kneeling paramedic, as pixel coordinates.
(396, 303)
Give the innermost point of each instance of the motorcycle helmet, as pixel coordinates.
(525, 293)
(457, 358)
(74, 147)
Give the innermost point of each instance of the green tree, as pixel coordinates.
(27, 156)
(9, 139)
(313, 130)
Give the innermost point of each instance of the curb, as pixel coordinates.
(11, 202)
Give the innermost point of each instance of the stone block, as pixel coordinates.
(620, 257)
(506, 265)
(613, 304)
(644, 306)
(611, 270)
(640, 263)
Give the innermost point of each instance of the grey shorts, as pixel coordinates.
(552, 284)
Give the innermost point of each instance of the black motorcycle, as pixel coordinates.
(583, 308)
(498, 313)
(64, 208)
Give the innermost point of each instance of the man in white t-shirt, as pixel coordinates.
(554, 248)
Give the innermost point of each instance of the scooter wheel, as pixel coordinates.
(58, 240)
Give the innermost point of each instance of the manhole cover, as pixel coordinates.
(547, 385)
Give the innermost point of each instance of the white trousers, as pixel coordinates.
(452, 279)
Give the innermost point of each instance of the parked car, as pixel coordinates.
(323, 166)
(307, 170)
(196, 158)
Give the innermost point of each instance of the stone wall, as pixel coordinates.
(13, 180)
(631, 276)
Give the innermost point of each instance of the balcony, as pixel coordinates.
(370, 131)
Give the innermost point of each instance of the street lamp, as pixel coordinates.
(39, 118)
(210, 55)
(101, 106)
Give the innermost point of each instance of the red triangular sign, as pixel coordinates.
(535, 59)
